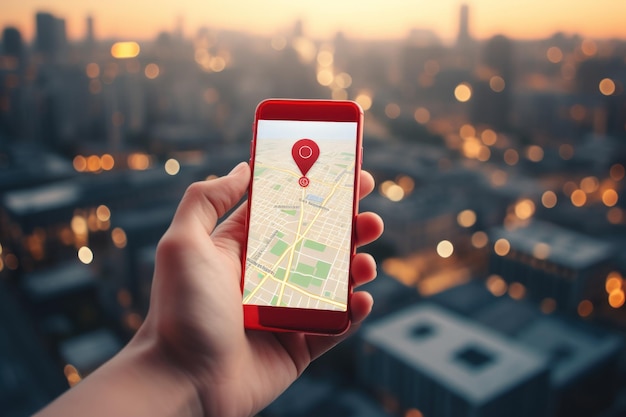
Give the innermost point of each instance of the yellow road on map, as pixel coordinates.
(299, 243)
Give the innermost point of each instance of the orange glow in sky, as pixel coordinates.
(388, 19)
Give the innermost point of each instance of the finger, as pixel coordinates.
(361, 305)
(231, 234)
(369, 227)
(363, 269)
(366, 184)
(205, 202)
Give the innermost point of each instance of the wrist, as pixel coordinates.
(138, 381)
(207, 386)
(170, 386)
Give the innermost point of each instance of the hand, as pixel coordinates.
(196, 302)
(192, 356)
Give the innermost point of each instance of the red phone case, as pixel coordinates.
(274, 318)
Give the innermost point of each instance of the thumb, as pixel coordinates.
(205, 202)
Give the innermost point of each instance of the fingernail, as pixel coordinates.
(237, 168)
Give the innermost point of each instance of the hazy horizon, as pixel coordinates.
(391, 20)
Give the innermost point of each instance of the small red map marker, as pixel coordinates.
(305, 152)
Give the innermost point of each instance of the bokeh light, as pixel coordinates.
(578, 198)
(172, 166)
(534, 153)
(617, 172)
(511, 157)
(466, 218)
(489, 137)
(80, 163)
(463, 92)
(542, 250)
(480, 239)
(118, 236)
(152, 71)
(502, 247)
(524, 209)
(497, 84)
(496, 285)
(517, 291)
(107, 162)
(422, 115)
(92, 70)
(85, 255)
(364, 100)
(585, 308)
(607, 86)
(124, 50)
(103, 213)
(549, 199)
(616, 298)
(610, 197)
(589, 184)
(554, 54)
(392, 111)
(445, 249)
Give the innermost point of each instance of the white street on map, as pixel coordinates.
(299, 241)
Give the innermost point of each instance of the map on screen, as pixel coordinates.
(299, 240)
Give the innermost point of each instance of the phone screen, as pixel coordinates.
(301, 211)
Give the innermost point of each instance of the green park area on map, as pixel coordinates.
(299, 240)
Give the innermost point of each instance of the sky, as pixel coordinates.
(370, 19)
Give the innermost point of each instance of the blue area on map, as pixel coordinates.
(314, 198)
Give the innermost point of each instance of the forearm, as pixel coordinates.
(136, 382)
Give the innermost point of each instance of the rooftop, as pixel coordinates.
(469, 359)
(59, 280)
(565, 247)
(573, 350)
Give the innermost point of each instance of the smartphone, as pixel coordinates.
(302, 204)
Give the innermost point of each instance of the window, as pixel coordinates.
(422, 331)
(474, 357)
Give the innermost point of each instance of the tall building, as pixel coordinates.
(492, 98)
(60, 34)
(89, 42)
(50, 39)
(45, 36)
(12, 44)
(498, 56)
(12, 59)
(298, 29)
(89, 35)
(463, 38)
(466, 48)
(553, 264)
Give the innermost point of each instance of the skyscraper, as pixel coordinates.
(492, 99)
(12, 42)
(45, 39)
(89, 35)
(466, 48)
(50, 38)
(464, 39)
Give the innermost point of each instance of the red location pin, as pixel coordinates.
(305, 152)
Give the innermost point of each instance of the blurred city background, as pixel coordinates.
(496, 132)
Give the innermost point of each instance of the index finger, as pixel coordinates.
(366, 184)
